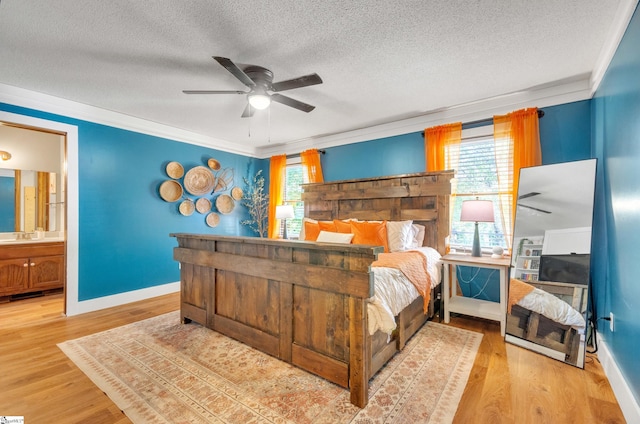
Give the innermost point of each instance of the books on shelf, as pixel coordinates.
(531, 264)
(529, 276)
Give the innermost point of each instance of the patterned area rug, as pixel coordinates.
(160, 371)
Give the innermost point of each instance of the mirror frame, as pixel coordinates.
(542, 314)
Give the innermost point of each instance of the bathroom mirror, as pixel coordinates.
(36, 166)
(548, 290)
(29, 200)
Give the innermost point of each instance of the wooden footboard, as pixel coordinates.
(304, 303)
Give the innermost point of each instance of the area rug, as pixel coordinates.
(160, 371)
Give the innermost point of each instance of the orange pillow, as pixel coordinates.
(342, 227)
(371, 233)
(312, 229)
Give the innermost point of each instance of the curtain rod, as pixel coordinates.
(295, 155)
(488, 121)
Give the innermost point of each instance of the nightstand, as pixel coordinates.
(496, 311)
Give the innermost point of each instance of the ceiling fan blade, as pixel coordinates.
(530, 194)
(291, 102)
(237, 72)
(307, 80)
(532, 208)
(248, 111)
(213, 92)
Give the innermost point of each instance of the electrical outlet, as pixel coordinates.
(611, 326)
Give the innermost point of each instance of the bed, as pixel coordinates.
(306, 302)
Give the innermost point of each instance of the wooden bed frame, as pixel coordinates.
(305, 302)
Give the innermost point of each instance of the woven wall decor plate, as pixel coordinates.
(225, 204)
(212, 220)
(236, 193)
(214, 164)
(170, 191)
(175, 170)
(203, 205)
(187, 207)
(199, 180)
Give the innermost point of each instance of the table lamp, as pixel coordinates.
(477, 211)
(283, 212)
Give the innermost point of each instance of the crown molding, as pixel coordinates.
(46, 103)
(624, 13)
(567, 91)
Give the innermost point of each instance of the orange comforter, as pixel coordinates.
(414, 266)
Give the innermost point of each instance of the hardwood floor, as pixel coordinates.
(507, 384)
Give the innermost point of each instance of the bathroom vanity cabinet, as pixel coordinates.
(31, 267)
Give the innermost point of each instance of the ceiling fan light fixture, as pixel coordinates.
(259, 101)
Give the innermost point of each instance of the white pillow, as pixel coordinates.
(399, 235)
(329, 237)
(418, 238)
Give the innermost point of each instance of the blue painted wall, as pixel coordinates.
(124, 226)
(401, 154)
(616, 144)
(7, 205)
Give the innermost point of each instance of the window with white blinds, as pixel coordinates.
(294, 178)
(477, 176)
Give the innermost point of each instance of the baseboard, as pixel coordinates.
(122, 298)
(624, 395)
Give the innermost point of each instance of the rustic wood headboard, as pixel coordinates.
(422, 197)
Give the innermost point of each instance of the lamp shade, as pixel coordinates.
(477, 211)
(284, 212)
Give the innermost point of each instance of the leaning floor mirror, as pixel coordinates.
(548, 289)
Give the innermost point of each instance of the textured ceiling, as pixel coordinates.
(380, 61)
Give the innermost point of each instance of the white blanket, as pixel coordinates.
(393, 292)
(553, 308)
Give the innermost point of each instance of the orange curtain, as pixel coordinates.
(442, 146)
(311, 162)
(517, 134)
(276, 191)
(442, 151)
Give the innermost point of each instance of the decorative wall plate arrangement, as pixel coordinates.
(170, 191)
(199, 181)
(175, 170)
(203, 205)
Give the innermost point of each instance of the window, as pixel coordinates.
(294, 178)
(477, 176)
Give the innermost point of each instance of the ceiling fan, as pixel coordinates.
(526, 196)
(262, 89)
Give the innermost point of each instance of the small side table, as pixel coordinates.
(496, 311)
